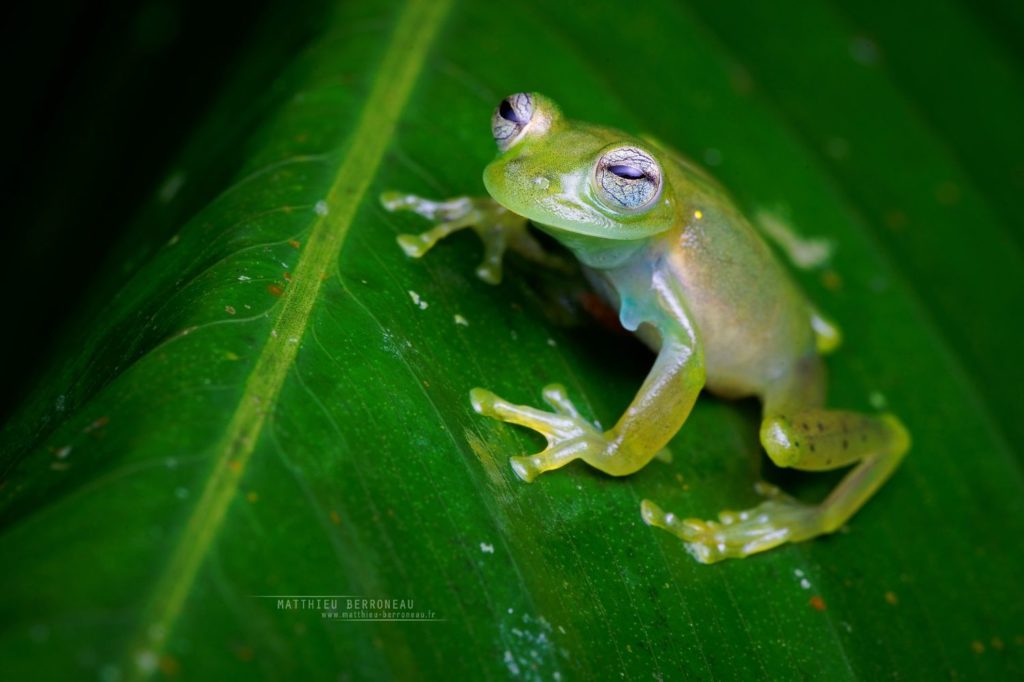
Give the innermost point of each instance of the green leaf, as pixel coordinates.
(263, 409)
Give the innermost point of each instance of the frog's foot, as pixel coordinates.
(498, 228)
(569, 435)
(777, 520)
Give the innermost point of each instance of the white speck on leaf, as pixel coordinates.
(63, 452)
(511, 664)
(460, 320)
(805, 583)
(417, 301)
(321, 208)
(551, 342)
(486, 549)
(146, 661)
(244, 278)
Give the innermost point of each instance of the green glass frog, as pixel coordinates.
(664, 244)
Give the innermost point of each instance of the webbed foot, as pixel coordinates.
(569, 435)
(777, 520)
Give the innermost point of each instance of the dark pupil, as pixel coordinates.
(627, 172)
(508, 113)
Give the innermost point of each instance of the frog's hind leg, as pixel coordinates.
(797, 433)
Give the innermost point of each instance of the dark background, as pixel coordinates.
(99, 99)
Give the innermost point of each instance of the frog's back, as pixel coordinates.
(754, 322)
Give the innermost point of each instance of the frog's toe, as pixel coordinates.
(490, 270)
(557, 398)
(392, 200)
(688, 530)
(531, 466)
(488, 404)
(414, 245)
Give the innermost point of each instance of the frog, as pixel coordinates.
(666, 246)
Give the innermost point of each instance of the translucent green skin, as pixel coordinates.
(751, 322)
(691, 276)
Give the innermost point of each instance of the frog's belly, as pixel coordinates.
(753, 325)
(752, 328)
(743, 354)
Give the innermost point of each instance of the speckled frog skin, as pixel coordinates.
(664, 244)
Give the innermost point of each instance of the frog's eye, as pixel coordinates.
(511, 118)
(627, 178)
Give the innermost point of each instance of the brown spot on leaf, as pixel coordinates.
(831, 280)
(96, 424)
(169, 666)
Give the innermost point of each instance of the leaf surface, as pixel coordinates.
(264, 409)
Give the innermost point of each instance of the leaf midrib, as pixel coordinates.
(415, 29)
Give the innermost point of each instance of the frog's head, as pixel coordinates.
(575, 177)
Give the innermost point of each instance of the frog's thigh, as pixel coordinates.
(797, 432)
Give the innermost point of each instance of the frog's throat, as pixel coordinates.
(594, 251)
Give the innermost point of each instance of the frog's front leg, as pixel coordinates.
(657, 412)
(498, 228)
